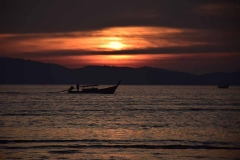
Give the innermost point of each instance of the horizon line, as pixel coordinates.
(92, 65)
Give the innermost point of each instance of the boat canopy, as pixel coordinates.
(91, 85)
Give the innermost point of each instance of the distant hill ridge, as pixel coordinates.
(19, 71)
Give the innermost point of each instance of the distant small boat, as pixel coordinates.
(223, 85)
(93, 89)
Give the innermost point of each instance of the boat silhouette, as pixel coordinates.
(223, 85)
(93, 89)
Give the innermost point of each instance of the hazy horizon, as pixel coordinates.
(117, 66)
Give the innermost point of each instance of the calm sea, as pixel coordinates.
(137, 122)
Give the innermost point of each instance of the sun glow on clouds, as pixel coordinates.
(99, 47)
(109, 39)
(110, 60)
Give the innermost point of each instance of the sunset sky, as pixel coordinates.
(195, 36)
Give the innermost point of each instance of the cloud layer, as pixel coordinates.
(62, 31)
(76, 15)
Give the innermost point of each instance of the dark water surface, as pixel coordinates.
(137, 122)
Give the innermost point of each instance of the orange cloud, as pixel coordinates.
(108, 39)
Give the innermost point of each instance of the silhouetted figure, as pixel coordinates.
(77, 86)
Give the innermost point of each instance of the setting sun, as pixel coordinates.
(115, 45)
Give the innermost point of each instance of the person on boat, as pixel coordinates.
(77, 86)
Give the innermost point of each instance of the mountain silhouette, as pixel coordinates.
(19, 71)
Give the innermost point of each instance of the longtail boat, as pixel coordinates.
(94, 89)
(223, 85)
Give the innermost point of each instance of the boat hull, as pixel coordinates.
(223, 86)
(109, 90)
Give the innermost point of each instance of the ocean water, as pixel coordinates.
(137, 122)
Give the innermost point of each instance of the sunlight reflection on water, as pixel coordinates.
(137, 122)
